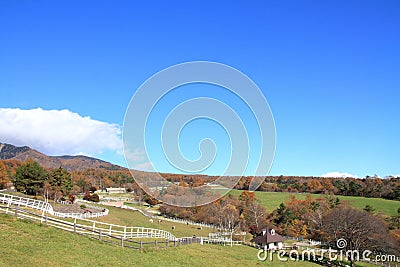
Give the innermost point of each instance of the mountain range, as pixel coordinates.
(70, 163)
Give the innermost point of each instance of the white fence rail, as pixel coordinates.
(177, 220)
(26, 202)
(183, 221)
(80, 225)
(46, 207)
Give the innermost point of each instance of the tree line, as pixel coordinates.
(32, 179)
(370, 186)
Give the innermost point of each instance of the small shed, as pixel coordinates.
(115, 190)
(269, 240)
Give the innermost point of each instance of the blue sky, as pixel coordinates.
(329, 70)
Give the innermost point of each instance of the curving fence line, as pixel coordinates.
(46, 207)
(111, 233)
(13, 205)
(26, 202)
(86, 215)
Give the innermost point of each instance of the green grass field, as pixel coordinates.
(271, 201)
(135, 218)
(30, 244)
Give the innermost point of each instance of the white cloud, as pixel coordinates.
(58, 132)
(146, 166)
(137, 155)
(339, 175)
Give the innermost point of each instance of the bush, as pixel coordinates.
(87, 195)
(72, 198)
(83, 206)
(95, 198)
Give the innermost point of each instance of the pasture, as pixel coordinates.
(30, 244)
(271, 201)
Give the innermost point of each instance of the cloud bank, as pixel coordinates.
(58, 132)
(339, 175)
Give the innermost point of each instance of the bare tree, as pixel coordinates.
(255, 215)
(359, 229)
(231, 219)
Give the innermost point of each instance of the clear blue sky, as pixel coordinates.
(330, 70)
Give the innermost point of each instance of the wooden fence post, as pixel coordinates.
(8, 206)
(74, 224)
(174, 243)
(100, 234)
(122, 241)
(141, 246)
(41, 218)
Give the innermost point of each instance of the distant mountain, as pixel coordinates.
(71, 163)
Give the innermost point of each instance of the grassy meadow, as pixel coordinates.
(271, 201)
(33, 244)
(30, 244)
(135, 218)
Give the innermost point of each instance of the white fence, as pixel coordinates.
(26, 202)
(177, 220)
(46, 207)
(122, 238)
(80, 224)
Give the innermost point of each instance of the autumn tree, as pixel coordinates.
(230, 218)
(29, 178)
(254, 213)
(138, 193)
(360, 229)
(247, 196)
(394, 220)
(4, 180)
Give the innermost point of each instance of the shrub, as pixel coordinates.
(72, 198)
(87, 195)
(94, 198)
(83, 206)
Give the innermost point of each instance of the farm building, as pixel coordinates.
(269, 240)
(115, 190)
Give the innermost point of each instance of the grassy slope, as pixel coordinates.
(271, 200)
(135, 218)
(29, 244)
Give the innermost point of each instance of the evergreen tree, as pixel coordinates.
(29, 178)
(60, 181)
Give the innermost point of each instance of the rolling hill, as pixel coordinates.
(70, 163)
